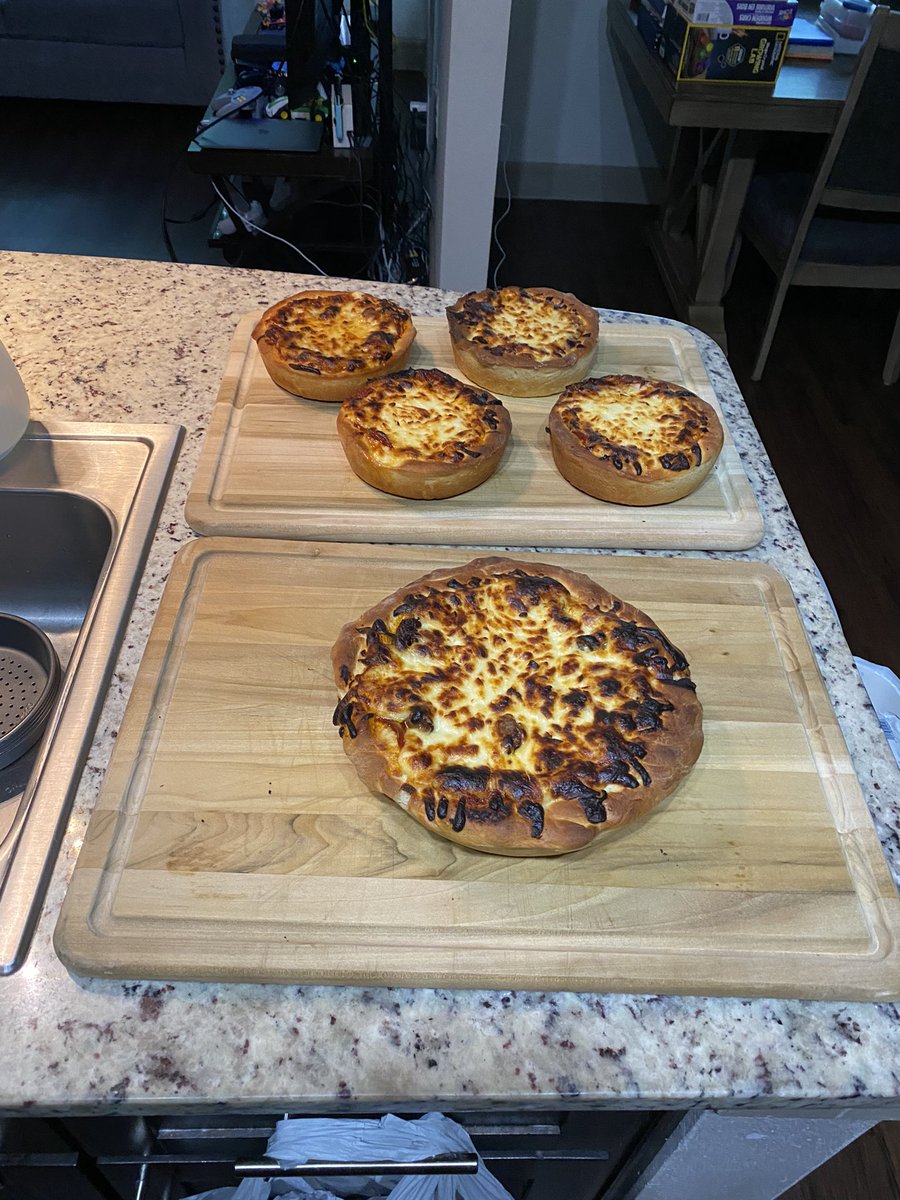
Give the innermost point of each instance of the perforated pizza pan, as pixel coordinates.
(29, 681)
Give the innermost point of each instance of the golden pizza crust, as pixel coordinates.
(323, 345)
(515, 708)
(631, 440)
(522, 341)
(423, 434)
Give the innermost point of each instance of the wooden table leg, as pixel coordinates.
(696, 270)
(681, 179)
(722, 227)
(675, 259)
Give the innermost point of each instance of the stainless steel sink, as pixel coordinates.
(79, 504)
(53, 548)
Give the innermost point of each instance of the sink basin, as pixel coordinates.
(79, 504)
(53, 547)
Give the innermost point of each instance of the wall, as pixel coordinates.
(572, 128)
(410, 19)
(469, 41)
(538, 77)
(572, 125)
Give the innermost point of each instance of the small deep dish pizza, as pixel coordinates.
(324, 345)
(632, 440)
(423, 434)
(522, 341)
(515, 708)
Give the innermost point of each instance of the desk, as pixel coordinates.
(708, 174)
(262, 147)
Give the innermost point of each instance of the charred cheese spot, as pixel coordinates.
(421, 414)
(561, 707)
(637, 424)
(337, 331)
(518, 321)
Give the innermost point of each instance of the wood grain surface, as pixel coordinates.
(233, 840)
(272, 466)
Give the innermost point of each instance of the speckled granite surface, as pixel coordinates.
(135, 341)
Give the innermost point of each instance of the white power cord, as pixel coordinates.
(259, 229)
(249, 215)
(502, 259)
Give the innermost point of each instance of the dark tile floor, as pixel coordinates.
(91, 179)
(94, 179)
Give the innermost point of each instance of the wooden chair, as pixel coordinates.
(840, 227)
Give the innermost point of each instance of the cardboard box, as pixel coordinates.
(770, 14)
(722, 53)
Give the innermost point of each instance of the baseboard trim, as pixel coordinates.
(581, 181)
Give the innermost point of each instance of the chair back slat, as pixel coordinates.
(869, 156)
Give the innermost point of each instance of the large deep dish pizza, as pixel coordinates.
(324, 345)
(515, 708)
(522, 341)
(632, 440)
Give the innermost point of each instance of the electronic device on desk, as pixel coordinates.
(301, 137)
(237, 100)
(296, 52)
(304, 59)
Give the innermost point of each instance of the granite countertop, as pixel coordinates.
(137, 342)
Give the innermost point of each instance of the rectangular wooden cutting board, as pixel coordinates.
(272, 466)
(233, 840)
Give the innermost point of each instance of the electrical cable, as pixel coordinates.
(244, 220)
(357, 158)
(406, 253)
(402, 250)
(166, 220)
(367, 19)
(503, 215)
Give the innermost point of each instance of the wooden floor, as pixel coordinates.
(868, 1169)
(94, 179)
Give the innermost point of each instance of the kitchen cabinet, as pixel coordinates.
(41, 1158)
(541, 1155)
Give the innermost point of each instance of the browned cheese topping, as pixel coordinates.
(526, 323)
(425, 415)
(636, 423)
(336, 332)
(495, 695)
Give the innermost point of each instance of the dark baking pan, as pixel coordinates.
(29, 682)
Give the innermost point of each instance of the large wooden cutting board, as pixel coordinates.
(272, 466)
(233, 840)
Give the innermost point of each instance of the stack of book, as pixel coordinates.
(728, 41)
(807, 40)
